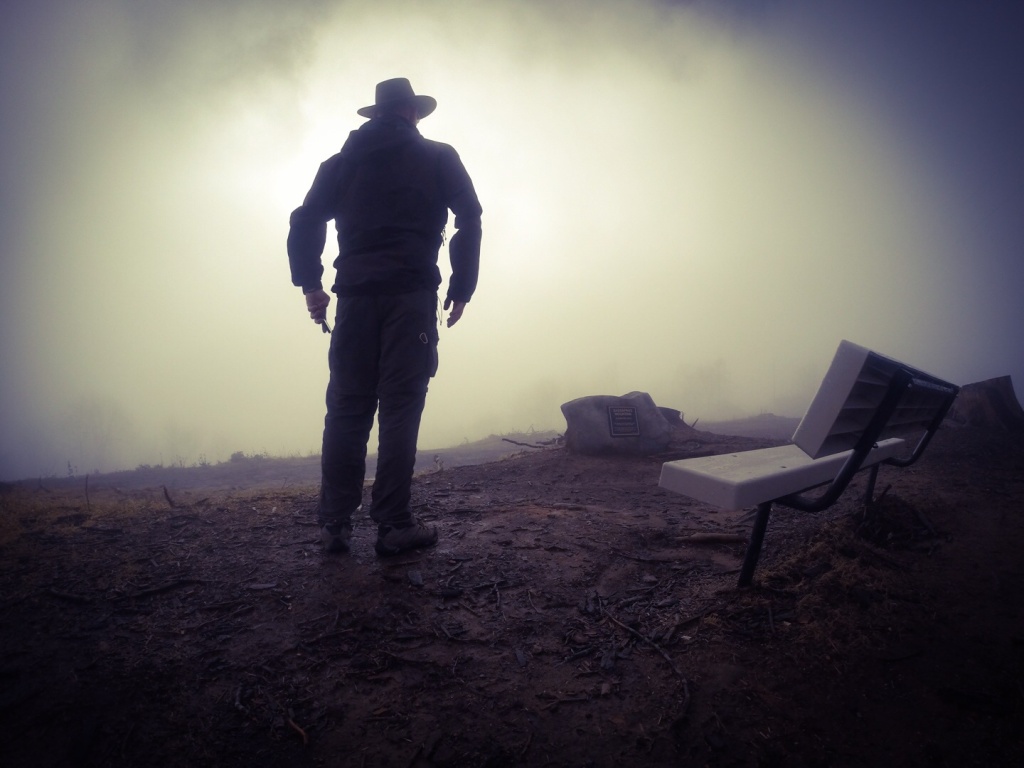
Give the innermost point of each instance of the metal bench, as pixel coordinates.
(867, 412)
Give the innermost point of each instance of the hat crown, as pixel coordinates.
(395, 89)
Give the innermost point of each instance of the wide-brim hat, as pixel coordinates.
(396, 91)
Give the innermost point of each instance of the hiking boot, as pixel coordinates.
(393, 540)
(336, 538)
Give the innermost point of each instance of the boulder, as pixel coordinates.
(605, 424)
(673, 416)
(989, 404)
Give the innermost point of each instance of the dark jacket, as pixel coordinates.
(389, 191)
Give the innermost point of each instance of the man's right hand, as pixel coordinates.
(317, 302)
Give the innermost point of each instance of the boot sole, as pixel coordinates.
(383, 550)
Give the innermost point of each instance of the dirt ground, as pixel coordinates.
(569, 616)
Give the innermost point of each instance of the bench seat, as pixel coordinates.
(865, 407)
(739, 480)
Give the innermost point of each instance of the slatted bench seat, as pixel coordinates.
(867, 412)
(740, 480)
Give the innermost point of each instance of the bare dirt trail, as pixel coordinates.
(568, 617)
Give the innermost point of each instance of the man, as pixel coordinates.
(389, 191)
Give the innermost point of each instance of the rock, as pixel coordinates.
(605, 424)
(989, 404)
(673, 416)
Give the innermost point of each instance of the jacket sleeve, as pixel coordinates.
(307, 232)
(464, 245)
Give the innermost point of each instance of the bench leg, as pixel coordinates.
(869, 494)
(754, 547)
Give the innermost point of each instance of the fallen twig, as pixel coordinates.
(503, 583)
(163, 588)
(529, 596)
(302, 733)
(521, 445)
(329, 635)
(238, 701)
(523, 750)
(641, 559)
(881, 496)
(923, 519)
(262, 587)
(568, 700)
(715, 538)
(684, 705)
(647, 640)
(578, 654)
(215, 619)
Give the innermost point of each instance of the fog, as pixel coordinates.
(693, 199)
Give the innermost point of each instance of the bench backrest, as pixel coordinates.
(852, 393)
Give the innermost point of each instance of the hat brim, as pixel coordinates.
(424, 106)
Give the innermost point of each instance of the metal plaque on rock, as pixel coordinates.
(622, 421)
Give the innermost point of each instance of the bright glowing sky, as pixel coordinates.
(692, 199)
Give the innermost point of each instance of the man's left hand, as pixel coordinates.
(457, 307)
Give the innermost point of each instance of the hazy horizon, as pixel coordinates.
(694, 199)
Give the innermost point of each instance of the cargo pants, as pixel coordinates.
(382, 356)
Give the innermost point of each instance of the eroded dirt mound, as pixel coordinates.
(572, 614)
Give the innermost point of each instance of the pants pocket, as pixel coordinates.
(430, 339)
